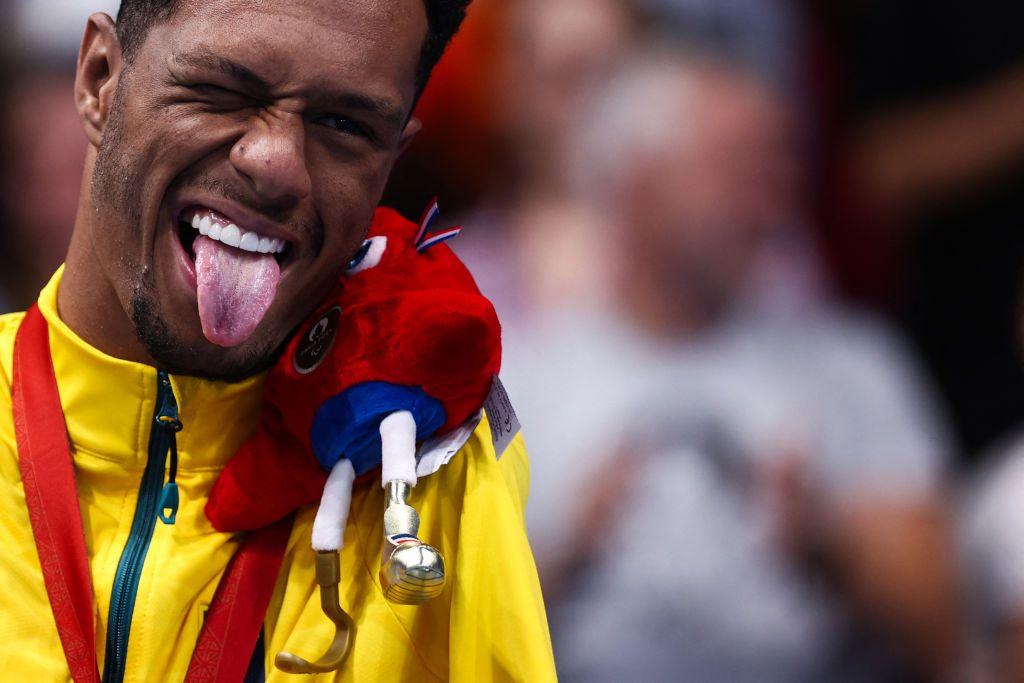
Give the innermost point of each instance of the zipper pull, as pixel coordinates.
(168, 510)
(167, 420)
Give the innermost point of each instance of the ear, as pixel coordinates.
(409, 134)
(99, 69)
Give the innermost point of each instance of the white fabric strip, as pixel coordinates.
(398, 448)
(331, 518)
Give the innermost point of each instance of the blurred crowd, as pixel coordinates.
(759, 264)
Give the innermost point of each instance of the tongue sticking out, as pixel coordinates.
(236, 288)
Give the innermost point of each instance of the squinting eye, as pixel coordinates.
(211, 89)
(343, 125)
(220, 97)
(369, 255)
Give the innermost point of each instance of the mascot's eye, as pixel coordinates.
(369, 255)
(360, 255)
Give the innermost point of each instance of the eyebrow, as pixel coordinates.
(382, 108)
(213, 62)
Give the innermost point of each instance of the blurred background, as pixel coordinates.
(759, 264)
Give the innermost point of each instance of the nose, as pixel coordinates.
(272, 156)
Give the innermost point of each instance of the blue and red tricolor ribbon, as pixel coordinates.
(424, 242)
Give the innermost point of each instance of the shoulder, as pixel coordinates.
(475, 483)
(875, 360)
(471, 510)
(850, 348)
(9, 325)
(8, 446)
(856, 337)
(509, 469)
(881, 419)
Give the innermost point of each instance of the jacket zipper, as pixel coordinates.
(155, 500)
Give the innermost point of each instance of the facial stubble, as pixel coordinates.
(118, 173)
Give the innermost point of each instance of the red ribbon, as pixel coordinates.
(48, 478)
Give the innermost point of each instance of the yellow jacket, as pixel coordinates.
(488, 625)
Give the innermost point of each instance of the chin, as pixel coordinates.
(192, 354)
(239, 364)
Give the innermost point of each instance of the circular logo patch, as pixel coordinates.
(317, 342)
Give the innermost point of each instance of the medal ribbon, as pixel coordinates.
(233, 624)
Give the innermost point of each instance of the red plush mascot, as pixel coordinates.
(404, 349)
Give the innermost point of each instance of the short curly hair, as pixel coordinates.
(444, 17)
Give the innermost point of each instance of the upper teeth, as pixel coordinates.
(232, 236)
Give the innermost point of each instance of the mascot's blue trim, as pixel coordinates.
(348, 425)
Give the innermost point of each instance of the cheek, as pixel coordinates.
(346, 195)
(180, 138)
(168, 135)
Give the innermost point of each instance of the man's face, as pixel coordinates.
(283, 117)
(705, 206)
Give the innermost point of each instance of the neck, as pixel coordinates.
(87, 301)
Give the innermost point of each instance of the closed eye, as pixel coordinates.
(220, 96)
(211, 89)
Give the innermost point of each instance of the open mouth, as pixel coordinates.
(198, 221)
(237, 273)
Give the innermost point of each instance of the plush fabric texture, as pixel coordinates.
(415, 322)
(348, 425)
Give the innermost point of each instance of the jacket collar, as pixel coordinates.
(108, 403)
